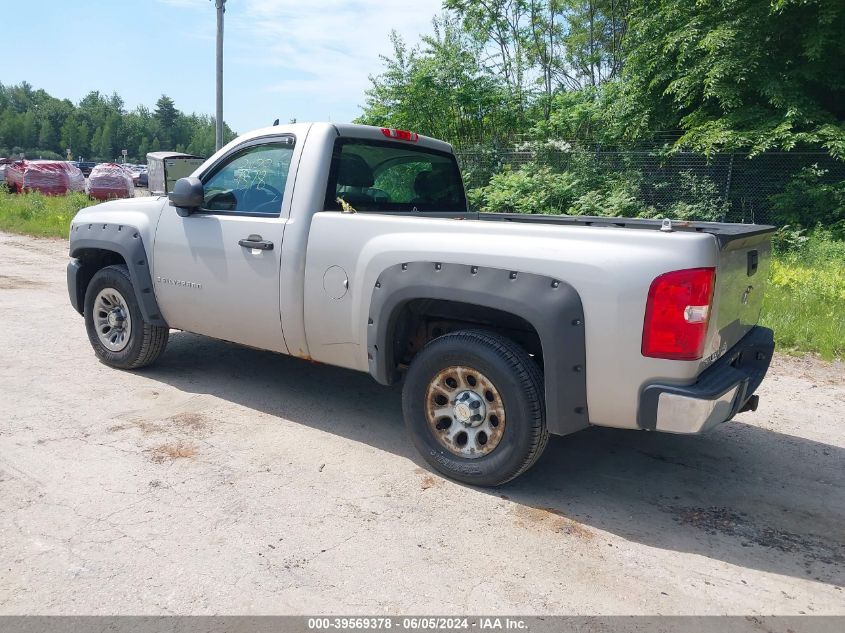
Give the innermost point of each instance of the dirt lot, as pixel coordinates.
(227, 480)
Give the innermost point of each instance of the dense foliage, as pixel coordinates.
(584, 185)
(738, 73)
(97, 128)
(808, 199)
(720, 74)
(746, 76)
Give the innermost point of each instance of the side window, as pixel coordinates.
(253, 181)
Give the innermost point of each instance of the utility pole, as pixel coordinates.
(221, 9)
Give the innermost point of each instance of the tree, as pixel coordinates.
(47, 135)
(737, 74)
(500, 26)
(10, 128)
(29, 129)
(20, 97)
(105, 145)
(166, 114)
(81, 139)
(555, 44)
(440, 89)
(543, 45)
(95, 143)
(67, 134)
(592, 41)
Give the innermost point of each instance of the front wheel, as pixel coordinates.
(473, 405)
(116, 328)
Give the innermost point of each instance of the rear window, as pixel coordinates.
(385, 176)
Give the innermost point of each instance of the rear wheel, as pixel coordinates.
(116, 328)
(473, 406)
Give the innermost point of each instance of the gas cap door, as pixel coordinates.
(335, 282)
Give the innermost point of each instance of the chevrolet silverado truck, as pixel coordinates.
(354, 246)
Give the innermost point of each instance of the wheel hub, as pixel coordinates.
(116, 318)
(469, 408)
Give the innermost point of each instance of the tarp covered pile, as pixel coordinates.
(110, 180)
(50, 177)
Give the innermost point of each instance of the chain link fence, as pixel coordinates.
(743, 186)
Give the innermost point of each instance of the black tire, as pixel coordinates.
(519, 382)
(146, 341)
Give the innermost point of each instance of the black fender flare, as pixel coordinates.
(550, 305)
(126, 241)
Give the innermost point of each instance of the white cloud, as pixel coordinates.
(315, 56)
(328, 47)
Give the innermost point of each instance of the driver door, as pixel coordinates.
(216, 271)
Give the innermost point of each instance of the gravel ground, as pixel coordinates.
(229, 480)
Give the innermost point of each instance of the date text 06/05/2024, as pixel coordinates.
(417, 623)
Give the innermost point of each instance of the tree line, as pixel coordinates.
(710, 75)
(99, 127)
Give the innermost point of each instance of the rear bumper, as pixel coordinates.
(721, 391)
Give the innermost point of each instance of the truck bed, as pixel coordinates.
(723, 231)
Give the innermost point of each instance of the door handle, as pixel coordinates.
(256, 242)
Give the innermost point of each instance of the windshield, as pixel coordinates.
(385, 176)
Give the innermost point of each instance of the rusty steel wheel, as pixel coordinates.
(465, 412)
(473, 406)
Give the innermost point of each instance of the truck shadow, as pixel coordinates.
(742, 494)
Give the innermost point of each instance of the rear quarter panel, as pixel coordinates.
(611, 268)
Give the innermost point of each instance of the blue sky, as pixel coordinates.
(305, 59)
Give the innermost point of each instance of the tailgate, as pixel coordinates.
(742, 275)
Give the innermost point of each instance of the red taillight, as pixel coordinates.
(402, 135)
(677, 314)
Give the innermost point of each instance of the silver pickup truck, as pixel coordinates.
(354, 246)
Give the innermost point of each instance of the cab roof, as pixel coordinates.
(349, 130)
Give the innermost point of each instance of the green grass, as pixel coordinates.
(804, 304)
(805, 301)
(37, 214)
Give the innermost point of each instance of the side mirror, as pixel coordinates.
(187, 195)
